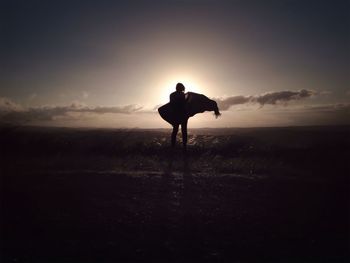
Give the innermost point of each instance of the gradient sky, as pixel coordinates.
(65, 59)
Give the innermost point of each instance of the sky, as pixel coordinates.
(112, 63)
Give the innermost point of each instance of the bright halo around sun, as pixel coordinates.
(170, 86)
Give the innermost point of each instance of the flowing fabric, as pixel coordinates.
(195, 103)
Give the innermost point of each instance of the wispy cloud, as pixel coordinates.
(32, 96)
(344, 107)
(226, 103)
(7, 105)
(325, 92)
(12, 112)
(272, 98)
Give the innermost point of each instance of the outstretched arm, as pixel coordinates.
(217, 113)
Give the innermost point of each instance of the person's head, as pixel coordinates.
(180, 87)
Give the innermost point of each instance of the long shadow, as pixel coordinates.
(189, 207)
(164, 234)
(176, 210)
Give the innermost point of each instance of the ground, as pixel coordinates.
(237, 195)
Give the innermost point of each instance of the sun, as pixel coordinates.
(169, 86)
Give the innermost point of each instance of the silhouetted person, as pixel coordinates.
(183, 106)
(178, 103)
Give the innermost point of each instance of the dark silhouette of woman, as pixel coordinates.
(178, 103)
(183, 106)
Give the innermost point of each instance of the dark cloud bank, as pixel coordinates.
(11, 112)
(271, 98)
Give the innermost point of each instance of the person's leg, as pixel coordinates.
(173, 135)
(184, 133)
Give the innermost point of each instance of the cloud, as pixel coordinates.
(271, 98)
(32, 96)
(85, 94)
(326, 92)
(283, 96)
(78, 113)
(226, 103)
(339, 107)
(12, 112)
(7, 105)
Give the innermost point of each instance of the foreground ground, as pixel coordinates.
(238, 195)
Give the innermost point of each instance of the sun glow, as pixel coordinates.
(169, 87)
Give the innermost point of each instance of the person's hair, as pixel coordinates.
(180, 87)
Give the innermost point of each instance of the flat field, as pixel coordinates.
(237, 195)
